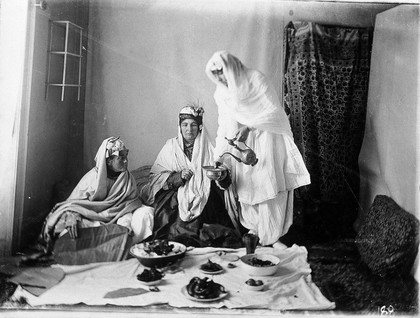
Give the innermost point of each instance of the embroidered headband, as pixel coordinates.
(115, 147)
(192, 112)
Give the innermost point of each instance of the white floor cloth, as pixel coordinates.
(291, 288)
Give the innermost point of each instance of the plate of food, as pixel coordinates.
(211, 268)
(204, 290)
(158, 253)
(150, 277)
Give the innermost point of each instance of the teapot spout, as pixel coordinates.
(235, 157)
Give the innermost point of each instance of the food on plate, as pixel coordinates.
(253, 282)
(158, 247)
(254, 261)
(203, 288)
(260, 264)
(150, 275)
(211, 267)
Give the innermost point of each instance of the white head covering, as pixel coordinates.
(109, 147)
(248, 98)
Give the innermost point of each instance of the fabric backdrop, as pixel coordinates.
(326, 85)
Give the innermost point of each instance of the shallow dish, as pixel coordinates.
(246, 262)
(211, 268)
(151, 283)
(150, 260)
(203, 300)
(211, 272)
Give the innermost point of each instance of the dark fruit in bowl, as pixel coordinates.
(253, 282)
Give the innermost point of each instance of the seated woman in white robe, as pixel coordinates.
(106, 194)
(189, 207)
(250, 111)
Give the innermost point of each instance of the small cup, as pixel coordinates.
(251, 242)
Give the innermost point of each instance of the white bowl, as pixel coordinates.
(254, 270)
(254, 287)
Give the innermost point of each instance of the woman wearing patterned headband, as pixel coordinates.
(189, 207)
(106, 194)
(249, 110)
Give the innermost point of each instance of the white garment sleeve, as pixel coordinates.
(125, 220)
(142, 223)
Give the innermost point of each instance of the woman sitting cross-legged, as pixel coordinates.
(189, 207)
(106, 194)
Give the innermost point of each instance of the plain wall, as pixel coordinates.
(146, 60)
(389, 162)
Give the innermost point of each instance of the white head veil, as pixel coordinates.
(248, 98)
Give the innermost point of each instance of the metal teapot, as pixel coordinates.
(248, 155)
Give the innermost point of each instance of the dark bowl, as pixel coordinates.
(158, 261)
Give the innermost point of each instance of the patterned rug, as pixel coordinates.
(337, 268)
(345, 279)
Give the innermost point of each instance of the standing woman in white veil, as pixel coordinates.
(250, 112)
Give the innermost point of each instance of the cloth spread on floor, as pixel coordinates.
(37, 280)
(290, 288)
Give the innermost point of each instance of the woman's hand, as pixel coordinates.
(242, 134)
(72, 229)
(186, 174)
(47, 233)
(222, 176)
(71, 224)
(217, 164)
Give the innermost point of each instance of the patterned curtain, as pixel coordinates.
(326, 85)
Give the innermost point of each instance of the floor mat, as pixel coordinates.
(344, 279)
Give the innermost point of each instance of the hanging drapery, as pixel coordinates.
(326, 85)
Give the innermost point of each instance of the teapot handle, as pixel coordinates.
(232, 143)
